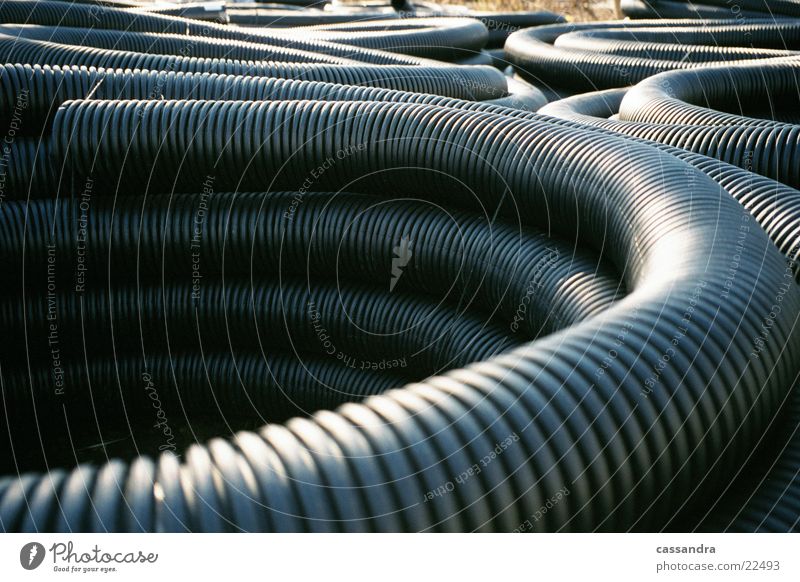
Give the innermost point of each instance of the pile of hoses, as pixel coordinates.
(579, 57)
(766, 494)
(499, 25)
(758, 156)
(325, 286)
(738, 124)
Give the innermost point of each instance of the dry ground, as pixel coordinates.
(573, 9)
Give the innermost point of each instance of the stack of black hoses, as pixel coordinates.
(578, 57)
(738, 123)
(707, 117)
(499, 25)
(766, 494)
(328, 280)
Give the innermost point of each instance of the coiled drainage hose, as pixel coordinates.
(434, 38)
(33, 93)
(165, 44)
(498, 24)
(674, 108)
(216, 242)
(59, 14)
(627, 408)
(775, 206)
(602, 55)
(408, 335)
(766, 493)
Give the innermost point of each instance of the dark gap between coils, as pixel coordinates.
(532, 271)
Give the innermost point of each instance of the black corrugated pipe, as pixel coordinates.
(26, 169)
(282, 16)
(657, 110)
(498, 24)
(195, 10)
(501, 24)
(766, 495)
(51, 53)
(775, 206)
(327, 319)
(758, 94)
(166, 44)
(626, 409)
(786, 7)
(533, 284)
(465, 257)
(30, 95)
(686, 44)
(762, 145)
(477, 83)
(123, 393)
(619, 54)
(677, 9)
(444, 39)
(201, 10)
(54, 13)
